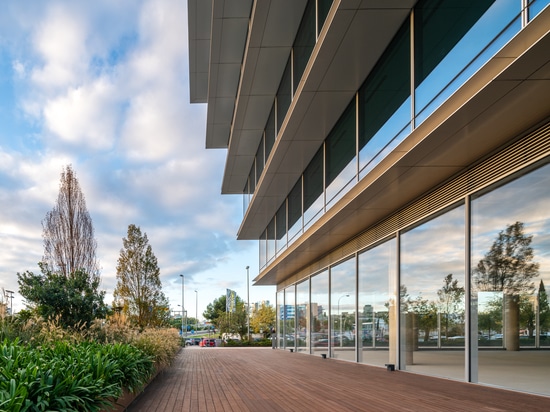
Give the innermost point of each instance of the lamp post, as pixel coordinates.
(340, 316)
(196, 309)
(9, 294)
(182, 304)
(248, 302)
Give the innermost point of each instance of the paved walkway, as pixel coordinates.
(262, 379)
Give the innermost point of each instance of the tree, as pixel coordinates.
(69, 242)
(74, 299)
(68, 285)
(263, 319)
(544, 308)
(139, 289)
(227, 322)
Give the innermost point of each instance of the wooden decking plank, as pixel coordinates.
(257, 379)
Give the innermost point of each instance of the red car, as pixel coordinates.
(205, 342)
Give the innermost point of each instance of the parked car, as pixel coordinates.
(193, 341)
(206, 342)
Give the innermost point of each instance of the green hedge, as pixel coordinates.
(67, 376)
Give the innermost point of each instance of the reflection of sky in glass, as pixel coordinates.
(319, 290)
(386, 139)
(526, 200)
(430, 252)
(342, 278)
(376, 269)
(464, 53)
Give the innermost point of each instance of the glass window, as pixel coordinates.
(340, 167)
(342, 313)
(252, 179)
(280, 318)
(319, 313)
(323, 7)
(377, 304)
(270, 235)
(259, 160)
(263, 249)
(535, 7)
(280, 229)
(510, 282)
(284, 96)
(304, 43)
(290, 317)
(295, 210)
(270, 132)
(313, 188)
(385, 104)
(452, 40)
(433, 296)
(302, 317)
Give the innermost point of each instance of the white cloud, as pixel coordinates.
(60, 40)
(85, 115)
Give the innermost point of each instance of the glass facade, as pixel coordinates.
(377, 304)
(489, 323)
(435, 60)
(342, 310)
(510, 276)
(432, 296)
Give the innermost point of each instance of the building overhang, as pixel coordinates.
(508, 96)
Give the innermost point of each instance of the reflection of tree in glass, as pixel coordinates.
(508, 266)
(490, 319)
(544, 308)
(451, 300)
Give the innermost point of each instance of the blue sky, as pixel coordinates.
(104, 86)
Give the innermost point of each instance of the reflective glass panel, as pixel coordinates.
(284, 96)
(259, 160)
(294, 201)
(304, 42)
(290, 317)
(280, 318)
(270, 235)
(302, 316)
(377, 306)
(510, 282)
(340, 151)
(263, 249)
(384, 103)
(453, 39)
(313, 188)
(323, 7)
(536, 6)
(342, 313)
(280, 229)
(319, 314)
(433, 296)
(270, 132)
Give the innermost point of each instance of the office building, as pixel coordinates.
(393, 157)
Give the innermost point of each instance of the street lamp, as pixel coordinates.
(248, 302)
(340, 316)
(196, 309)
(9, 294)
(182, 304)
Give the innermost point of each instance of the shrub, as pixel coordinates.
(67, 377)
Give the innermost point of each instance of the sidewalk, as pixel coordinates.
(262, 379)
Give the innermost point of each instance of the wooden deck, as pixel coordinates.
(262, 379)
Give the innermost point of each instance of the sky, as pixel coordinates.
(104, 86)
